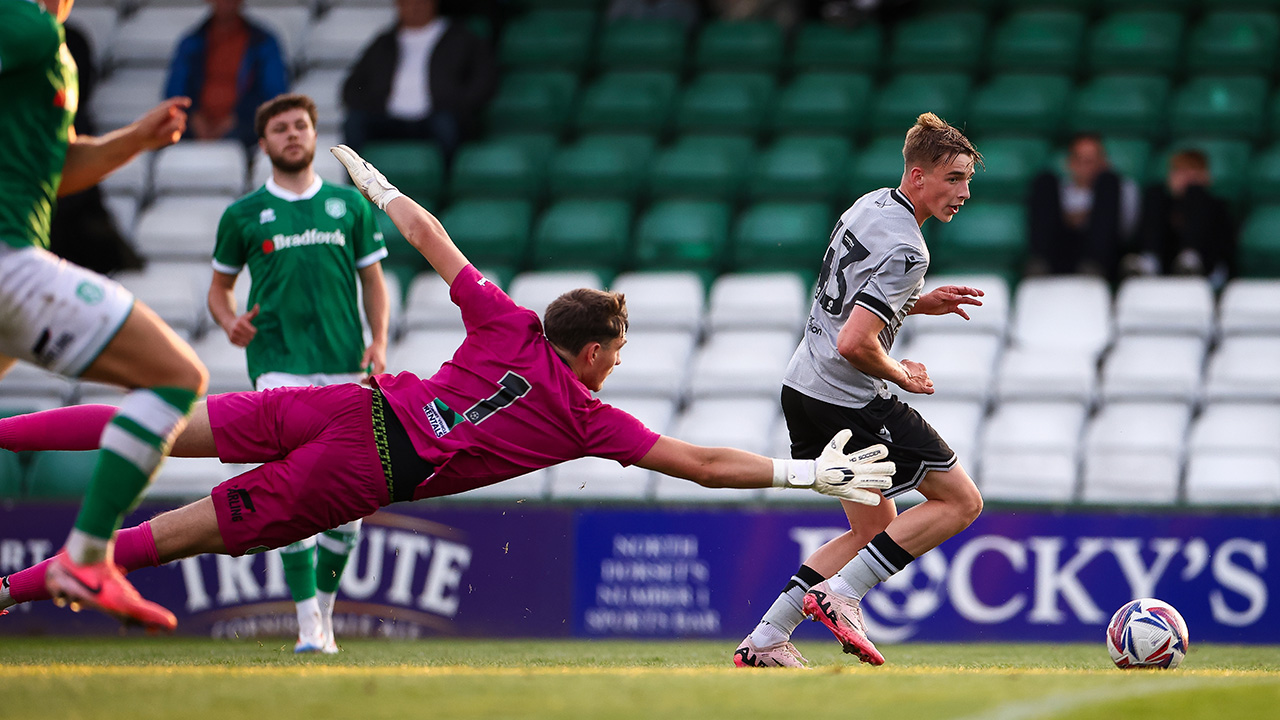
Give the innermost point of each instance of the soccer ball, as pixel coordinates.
(1147, 633)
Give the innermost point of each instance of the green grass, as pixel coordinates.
(142, 678)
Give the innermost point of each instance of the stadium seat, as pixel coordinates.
(825, 46)
(531, 486)
(535, 290)
(1030, 452)
(1237, 427)
(750, 45)
(1032, 105)
(133, 179)
(798, 167)
(147, 37)
(962, 365)
(1244, 368)
(414, 166)
(559, 39)
(1165, 306)
(428, 306)
(493, 233)
(26, 380)
(341, 34)
(683, 235)
(1133, 454)
(959, 422)
(1062, 312)
(716, 422)
(423, 351)
(781, 236)
(642, 44)
(655, 364)
(1047, 374)
(991, 239)
(1124, 104)
(1038, 41)
(992, 318)
(628, 102)
(1153, 367)
(177, 292)
(125, 95)
(60, 475)
(289, 22)
(180, 228)
(533, 102)
(98, 25)
(950, 41)
(770, 300)
(596, 478)
(1229, 162)
(601, 166)
(1009, 165)
(1248, 307)
(324, 87)
(897, 104)
(663, 300)
(1234, 42)
(12, 478)
(182, 479)
(741, 364)
(589, 234)
(1258, 254)
(723, 102)
(1129, 156)
(1220, 106)
(876, 166)
(1228, 478)
(501, 168)
(1142, 41)
(822, 102)
(1264, 176)
(228, 371)
(711, 167)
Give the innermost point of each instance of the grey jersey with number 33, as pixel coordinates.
(877, 259)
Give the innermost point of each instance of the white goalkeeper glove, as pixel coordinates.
(372, 183)
(846, 476)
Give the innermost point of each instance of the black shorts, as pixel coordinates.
(913, 445)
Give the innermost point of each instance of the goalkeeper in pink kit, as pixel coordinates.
(516, 397)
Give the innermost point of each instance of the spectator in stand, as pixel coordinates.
(1185, 228)
(426, 78)
(228, 66)
(685, 12)
(1081, 223)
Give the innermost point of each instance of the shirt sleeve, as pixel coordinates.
(617, 435)
(893, 284)
(370, 246)
(479, 299)
(27, 36)
(229, 252)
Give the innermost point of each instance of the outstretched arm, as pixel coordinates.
(89, 159)
(419, 227)
(947, 299)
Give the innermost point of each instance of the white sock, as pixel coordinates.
(309, 623)
(840, 587)
(326, 601)
(85, 549)
(766, 635)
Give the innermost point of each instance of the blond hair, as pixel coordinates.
(932, 142)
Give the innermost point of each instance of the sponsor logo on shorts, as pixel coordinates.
(335, 207)
(239, 502)
(47, 349)
(89, 292)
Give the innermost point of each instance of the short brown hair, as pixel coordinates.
(279, 104)
(932, 142)
(1189, 159)
(584, 316)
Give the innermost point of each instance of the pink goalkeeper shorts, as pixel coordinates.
(320, 465)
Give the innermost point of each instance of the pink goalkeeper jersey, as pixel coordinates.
(506, 404)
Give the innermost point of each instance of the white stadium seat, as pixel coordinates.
(531, 486)
(200, 168)
(337, 39)
(742, 363)
(1047, 374)
(125, 96)
(1246, 368)
(1154, 367)
(124, 210)
(663, 300)
(536, 290)
(150, 35)
(959, 422)
(738, 423)
(325, 88)
(992, 317)
(593, 478)
(1165, 306)
(1030, 451)
(99, 26)
(752, 301)
(183, 479)
(1250, 306)
(961, 365)
(180, 228)
(1133, 453)
(228, 371)
(427, 305)
(1217, 477)
(1237, 427)
(422, 352)
(177, 292)
(1062, 312)
(133, 179)
(654, 363)
(289, 23)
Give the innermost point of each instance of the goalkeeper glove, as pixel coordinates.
(372, 183)
(835, 473)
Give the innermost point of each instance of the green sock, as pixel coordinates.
(133, 445)
(332, 551)
(300, 570)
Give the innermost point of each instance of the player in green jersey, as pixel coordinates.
(73, 321)
(304, 241)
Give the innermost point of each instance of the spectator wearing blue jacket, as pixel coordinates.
(228, 66)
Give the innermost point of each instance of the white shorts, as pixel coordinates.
(55, 314)
(269, 380)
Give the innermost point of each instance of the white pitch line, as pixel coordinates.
(1051, 706)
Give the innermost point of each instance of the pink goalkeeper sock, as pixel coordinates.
(135, 548)
(78, 427)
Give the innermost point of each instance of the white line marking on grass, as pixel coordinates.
(1050, 706)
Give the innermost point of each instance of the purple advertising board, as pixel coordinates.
(560, 571)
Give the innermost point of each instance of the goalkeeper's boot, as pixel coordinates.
(102, 586)
(780, 655)
(843, 617)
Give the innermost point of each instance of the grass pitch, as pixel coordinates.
(141, 678)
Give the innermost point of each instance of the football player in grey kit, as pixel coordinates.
(872, 277)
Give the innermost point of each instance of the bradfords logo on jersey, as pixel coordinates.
(309, 237)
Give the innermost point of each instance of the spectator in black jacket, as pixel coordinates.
(426, 78)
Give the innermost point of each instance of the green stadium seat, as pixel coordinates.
(1027, 104)
(1129, 156)
(781, 236)
(1258, 253)
(800, 168)
(1009, 164)
(60, 475)
(1140, 41)
(1234, 42)
(739, 45)
(628, 102)
(878, 165)
(1122, 105)
(983, 238)
(532, 102)
(11, 476)
(725, 103)
(683, 235)
(594, 234)
(819, 46)
(1247, 4)
(548, 39)
(985, 6)
(613, 166)
(710, 167)
(492, 233)
(1038, 41)
(1229, 162)
(822, 102)
(1264, 176)
(896, 105)
(1220, 106)
(504, 167)
(942, 42)
(414, 166)
(642, 45)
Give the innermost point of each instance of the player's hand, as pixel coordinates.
(163, 124)
(947, 299)
(375, 358)
(372, 183)
(242, 330)
(853, 476)
(917, 378)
